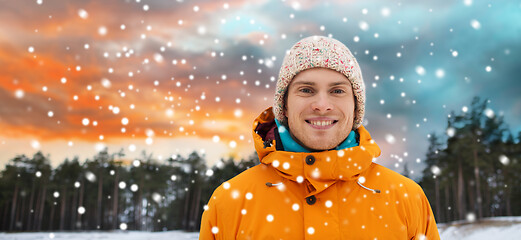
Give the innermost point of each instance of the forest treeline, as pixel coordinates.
(473, 170)
(474, 167)
(108, 192)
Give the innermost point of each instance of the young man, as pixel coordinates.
(317, 179)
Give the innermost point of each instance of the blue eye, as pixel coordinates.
(338, 91)
(305, 90)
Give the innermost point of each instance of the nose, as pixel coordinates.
(322, 103)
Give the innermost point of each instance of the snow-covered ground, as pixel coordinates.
(504, 228)
(490, 228)
(123, 235)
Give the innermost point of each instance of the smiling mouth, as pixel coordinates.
(322, 123)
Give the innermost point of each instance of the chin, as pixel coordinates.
(321, 146)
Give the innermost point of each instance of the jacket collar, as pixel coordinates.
(329, 166)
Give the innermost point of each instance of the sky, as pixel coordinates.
(174, 76)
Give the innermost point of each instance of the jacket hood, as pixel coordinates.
(329, 167)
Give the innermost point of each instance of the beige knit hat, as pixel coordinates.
(324, 52)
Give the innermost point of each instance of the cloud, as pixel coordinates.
(181, 73)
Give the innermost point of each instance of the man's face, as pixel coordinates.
(320, 108)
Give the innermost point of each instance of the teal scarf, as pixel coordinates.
(291, 146)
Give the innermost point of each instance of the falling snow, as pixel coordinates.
(149, 82)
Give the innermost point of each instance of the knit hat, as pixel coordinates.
(324, 52)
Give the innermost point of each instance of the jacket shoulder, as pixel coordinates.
(252, 176)
(389, 179)
(250, 179)
(223, 213)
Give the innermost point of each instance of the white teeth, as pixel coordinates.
(321, 123)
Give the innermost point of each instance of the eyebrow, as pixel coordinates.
(313, 83)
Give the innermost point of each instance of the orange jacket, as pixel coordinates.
(336, 194)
